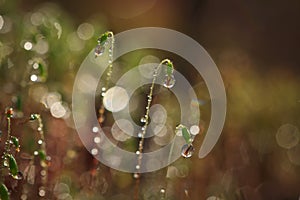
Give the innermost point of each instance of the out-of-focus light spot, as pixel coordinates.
(94, 151)
(85, 31)
(115, 99)
(287, 136)
(160, 130)
(1, 22)
(57, 110)
(60, 189)
(71, 153)
(158, 114)
(147, 66)
(33, 78)
(75, 43)
(37, 18)
(59, 29)
(194, 130)
(41, 46)
(37, 92)
(50, 98)
(125, 126)
(164, 137)
(6, 25)
(95, 129)
(294, 155)
(117, 131)
(28, 46)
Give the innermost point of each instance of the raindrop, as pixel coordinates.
(140, 135)
(99, 50)
(42, 192)
(169, 81)
(95, 129)
(143, 119)
(18, 176)
(94, 151)
(187, 150)
(136, 175)
(97, 140)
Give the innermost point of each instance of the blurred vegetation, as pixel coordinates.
(258, 154)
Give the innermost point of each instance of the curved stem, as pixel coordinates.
(108, 34)
(145, 118)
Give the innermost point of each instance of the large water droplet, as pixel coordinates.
(99, 50)
(169, 81)
(18, 176)
(187, 150)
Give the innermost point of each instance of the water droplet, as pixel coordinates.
(187, 150)
(99, 50)
(137, 167)
(162, 193)
(95, 129)
(18, 176)
(136, 175)
(178, 131)
(5, 163)
(169, 81)
(42, 191)
(143, 119)
(103, 89)
(94, 151)
(97, 140)
(40, 141)
(140, 135)
(137, 152)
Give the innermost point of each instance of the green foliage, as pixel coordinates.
(4, 192)
(13, 166)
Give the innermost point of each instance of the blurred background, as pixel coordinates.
(255, 45)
